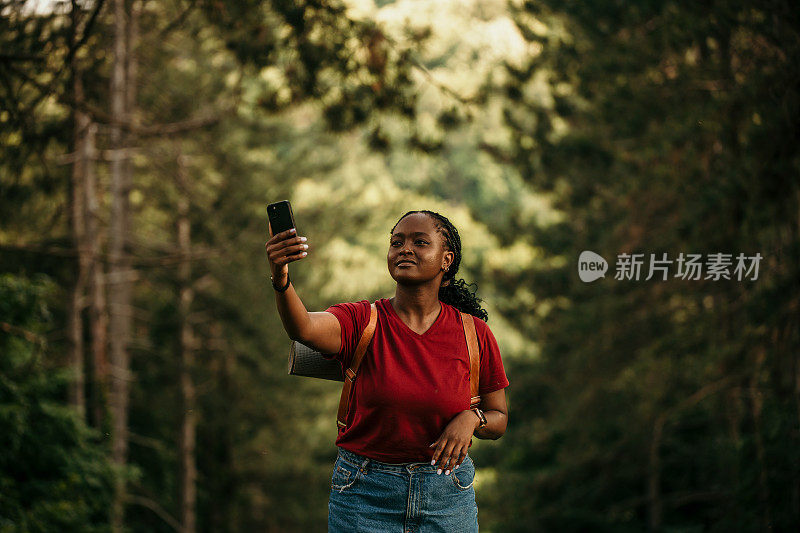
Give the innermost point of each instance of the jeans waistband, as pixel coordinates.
(364, 463)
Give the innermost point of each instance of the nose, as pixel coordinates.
(403, 255)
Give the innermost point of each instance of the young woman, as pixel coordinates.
(402, 463)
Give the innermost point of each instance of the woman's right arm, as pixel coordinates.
(320, 331)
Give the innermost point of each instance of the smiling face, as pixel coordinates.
(416, 241)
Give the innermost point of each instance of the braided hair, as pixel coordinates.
(452, 291)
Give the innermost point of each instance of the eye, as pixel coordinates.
(423, 241)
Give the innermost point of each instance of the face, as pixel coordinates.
(416, 240)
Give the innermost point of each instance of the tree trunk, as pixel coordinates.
(78, 289)
(655, 504)
(222, 517)
(80, 167)
(98, 317)
(756, 405)
(189, 421)
(119, 277)
(795, 350)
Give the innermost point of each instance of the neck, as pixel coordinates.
(416, 302)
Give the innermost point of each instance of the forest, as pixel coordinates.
(625, 178)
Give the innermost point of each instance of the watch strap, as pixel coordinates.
(481, 416)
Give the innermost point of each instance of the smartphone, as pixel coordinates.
(280, 216)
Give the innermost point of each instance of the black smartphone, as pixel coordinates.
(280, 216)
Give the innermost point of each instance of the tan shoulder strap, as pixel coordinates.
(350, 373)
(474, 357)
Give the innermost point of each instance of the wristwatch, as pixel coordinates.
(281, 289)
(482, 416)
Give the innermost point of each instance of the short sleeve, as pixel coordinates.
(492, 374)
(353, 318)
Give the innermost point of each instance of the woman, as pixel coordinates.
(402, 463)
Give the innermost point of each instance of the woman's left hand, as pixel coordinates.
(453, 443)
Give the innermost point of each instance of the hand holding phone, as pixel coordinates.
(284, 245)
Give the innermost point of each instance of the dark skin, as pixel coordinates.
(416, 302)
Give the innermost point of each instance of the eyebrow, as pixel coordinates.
(403, 234)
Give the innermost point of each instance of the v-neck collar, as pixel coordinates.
(439, 318)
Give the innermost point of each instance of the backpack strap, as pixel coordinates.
(350, 373)
(474, 358)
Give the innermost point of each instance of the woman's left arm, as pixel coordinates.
(494, 407)
(451, 446)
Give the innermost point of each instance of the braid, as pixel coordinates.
(452, 291)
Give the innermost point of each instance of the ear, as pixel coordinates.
(449, 257)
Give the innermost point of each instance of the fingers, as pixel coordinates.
(457, 457)
(452, 460)
(435, 452)
(447, 455)
(289, 246)
(452, 445)
(285, 247)
(460, 459)
(285, 256)
(280, 236)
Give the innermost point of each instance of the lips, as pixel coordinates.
(405, 263)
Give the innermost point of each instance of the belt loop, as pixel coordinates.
(364, 465)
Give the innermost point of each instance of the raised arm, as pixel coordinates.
(320, 331)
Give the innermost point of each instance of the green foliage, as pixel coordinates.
(658, 404)
(54, 472)
(316, 51)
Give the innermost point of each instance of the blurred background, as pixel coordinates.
(143, 365)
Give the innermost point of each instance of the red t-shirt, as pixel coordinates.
(409, 386)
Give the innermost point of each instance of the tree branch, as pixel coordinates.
(87, 29)
(156, 508)
(28, 335)
(178, 21)
(101, 117)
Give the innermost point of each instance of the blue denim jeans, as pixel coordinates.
(371, 496)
